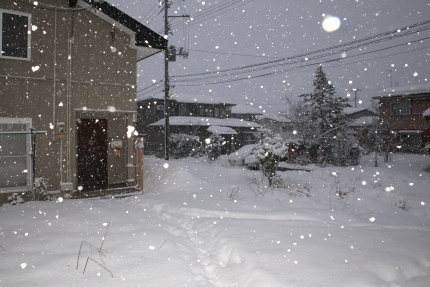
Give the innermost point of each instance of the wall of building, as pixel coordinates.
(412, 122)
(102, 77)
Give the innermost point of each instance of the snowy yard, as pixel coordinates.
(208, 224)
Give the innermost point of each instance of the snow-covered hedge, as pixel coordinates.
(183, 145)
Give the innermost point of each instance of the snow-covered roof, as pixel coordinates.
(417, 89)
(353, 110)
(274, 117)
(201, 121)
(245, 109)
(187, 98)
(217, 130)
(363, 121)
(426, 113)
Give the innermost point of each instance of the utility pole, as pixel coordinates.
(166, 81)
(355, 96)
(168, 56)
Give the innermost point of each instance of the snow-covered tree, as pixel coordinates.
(183, 145)
(300, 114)
(331, 134)
(214, 146)
(269, 152)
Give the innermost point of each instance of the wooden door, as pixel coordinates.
(92, 151)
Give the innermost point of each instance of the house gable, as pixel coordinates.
(143, 39)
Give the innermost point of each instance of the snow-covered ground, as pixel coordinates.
(208, 224)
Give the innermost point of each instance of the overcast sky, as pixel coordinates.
(268, 30)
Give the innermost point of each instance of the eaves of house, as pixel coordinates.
(203, 121)
(146, 41)
(186, 98)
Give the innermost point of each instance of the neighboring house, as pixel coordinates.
(402, 115)
(363, 122)
(278, 124)
(356, 113)
(151, 109)
(193, 115)
(245, 112)
(69, 68)
(426, 114)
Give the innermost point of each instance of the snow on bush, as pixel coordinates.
(183, 145)
(214, 146)
(269, 152)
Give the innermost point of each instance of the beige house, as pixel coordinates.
(69, 68)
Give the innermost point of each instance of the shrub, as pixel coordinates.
(183, 145)
(214, 146)
(269, 152)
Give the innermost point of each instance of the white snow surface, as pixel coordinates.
(364, 121)
(202, 121)
(353, 110)
(274, 117)
(216, 130)
(245, 109)
(205, 223)
(426, 113)
(417, 89)
(182, 97)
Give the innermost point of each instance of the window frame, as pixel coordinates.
(19, 13)
(29, 177)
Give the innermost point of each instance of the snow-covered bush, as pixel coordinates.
(15, 198)
(41, 189)
(214, 146)
(269, 152)
(183, 145)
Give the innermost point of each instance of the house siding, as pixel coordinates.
(414, 121)
(102, 78)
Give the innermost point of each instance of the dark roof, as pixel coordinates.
(145, 37)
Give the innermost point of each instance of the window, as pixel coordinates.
(15, 34)
(15, 160)
(400, 108)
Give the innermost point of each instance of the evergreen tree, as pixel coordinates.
(331, 135)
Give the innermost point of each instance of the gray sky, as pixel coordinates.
(282, 28)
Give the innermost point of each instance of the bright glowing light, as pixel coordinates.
(166, 165)
(331, 23)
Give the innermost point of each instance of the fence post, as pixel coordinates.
(139, 146)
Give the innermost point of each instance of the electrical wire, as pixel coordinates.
(294, 68)
(216, 11)
(289, 63)
(234, 54)
(151, 11)
(330, 50)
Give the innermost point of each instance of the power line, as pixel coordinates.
(218, 10)
(298, 67)
(151, 11)
(233, 54)
(353, 45)
(208, 77)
